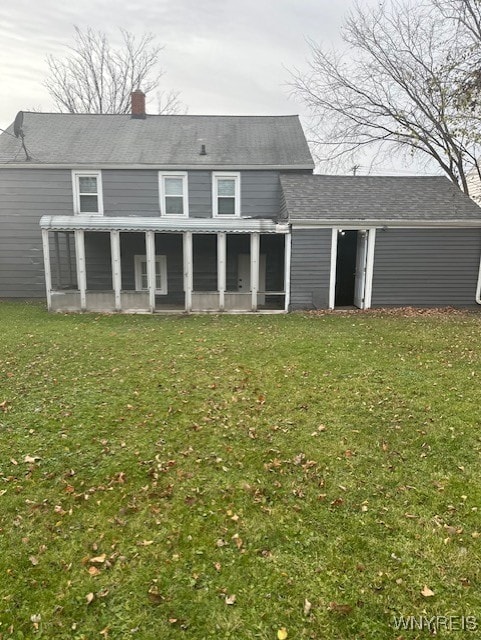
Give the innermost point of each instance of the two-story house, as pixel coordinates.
(144, 213)
(141, 213)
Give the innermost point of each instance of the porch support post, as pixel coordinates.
(188, 269)
(287, 270)
(255, 253)
(150, 256)
(116, 268)
(81, 271)
(46, 262)
(332, 276)
(221, 268)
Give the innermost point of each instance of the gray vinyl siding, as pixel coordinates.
(25, 196)
(260, 194)
(427, 267)
(130, 192)
(200, 194)
(310, 268)
(136, 192)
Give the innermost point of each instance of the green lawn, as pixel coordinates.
(203, 477)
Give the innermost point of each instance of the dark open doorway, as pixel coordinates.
(346, 268)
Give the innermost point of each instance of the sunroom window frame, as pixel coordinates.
(219, 175)
(159, 259)
(163, 195)
(76, 175)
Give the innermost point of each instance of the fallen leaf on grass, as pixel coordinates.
(307, 607)
(145, 543)
(230, 599)
(154, 595)
(33, 560)
(426, 592)
(452, 531)
(31, 459)
(337, 502)
(343, 609)
(94, 571)
(98, 559)
(237, 540)
(282, 634)
(89, 597)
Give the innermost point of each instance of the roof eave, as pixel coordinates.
(358, 223)
(157, 166)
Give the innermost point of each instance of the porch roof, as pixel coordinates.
(138, 223)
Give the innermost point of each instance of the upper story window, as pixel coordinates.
(87, 192)
(173, 192)
(226, 194)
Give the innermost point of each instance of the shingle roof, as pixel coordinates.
(58, 138)
(320, 197)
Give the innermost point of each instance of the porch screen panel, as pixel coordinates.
(205, 262)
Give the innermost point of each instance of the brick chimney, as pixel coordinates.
(138, 103)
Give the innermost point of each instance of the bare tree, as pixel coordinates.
(465, 15)
(397, 86)
(96, 77)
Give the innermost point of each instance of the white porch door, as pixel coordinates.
(244, 275)
(361, 264)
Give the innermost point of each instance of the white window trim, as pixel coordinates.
(76, 192)
(237, 194)
(185, 193)
(159, 260)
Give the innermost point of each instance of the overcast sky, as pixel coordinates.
(224, 56)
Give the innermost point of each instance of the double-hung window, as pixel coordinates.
(226, 194)
(173, 192)
(141, 280)
(87, 191)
